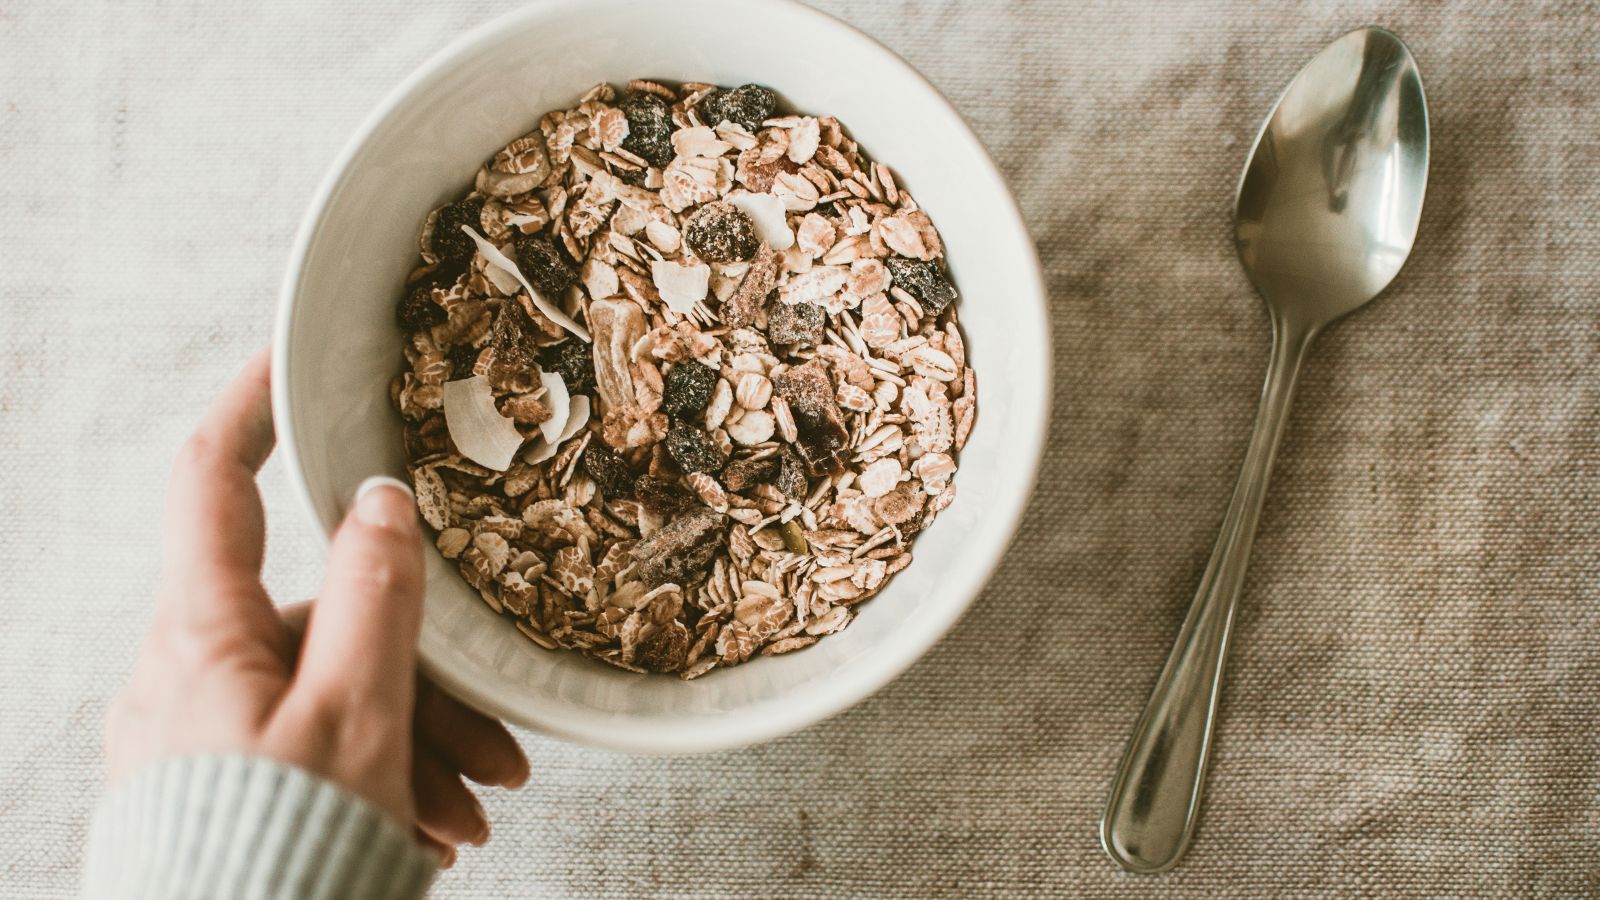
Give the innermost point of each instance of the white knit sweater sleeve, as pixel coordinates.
(246, 827)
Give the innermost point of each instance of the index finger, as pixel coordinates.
(361, 644)
(214, 531)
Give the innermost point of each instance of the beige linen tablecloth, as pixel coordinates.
(1414, 694)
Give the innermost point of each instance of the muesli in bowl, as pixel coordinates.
(684, 378)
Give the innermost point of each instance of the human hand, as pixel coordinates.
(223, 671)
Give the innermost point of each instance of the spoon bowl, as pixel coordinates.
(1326, 215)
(1328, 205)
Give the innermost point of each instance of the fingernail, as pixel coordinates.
(394, 508)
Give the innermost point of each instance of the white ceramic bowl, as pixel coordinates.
(337, 345)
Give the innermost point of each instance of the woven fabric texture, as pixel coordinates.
(1414, 694)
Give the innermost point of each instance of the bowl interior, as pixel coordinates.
(338, 345)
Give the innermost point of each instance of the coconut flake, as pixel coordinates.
(560, 402)
(767, 212)
(505, 282)
(539, 451)
(477, 428)
(577, 417)
(681, 286)
(551, 311)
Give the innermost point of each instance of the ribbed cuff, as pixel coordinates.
(246, 827)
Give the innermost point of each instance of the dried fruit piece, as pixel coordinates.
(665, 649)
(609, 471)
(650, 127)
(739, 309)
(516, 356)
(809, 393)
(688, 388)
(662, 496)
(922, 280)
(720, 232)
(742, 474)
(416, 311)
(693, 450)
(747, 105)
(477, 428)
(450, 244)
(462, 360)
(541, 263)
(794, 323)
(573, 361)
(680, 549)
(791, 478)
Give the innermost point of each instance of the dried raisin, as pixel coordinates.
(613, 475)
(417, 311)
(693, 450)
(688, 388)
(720, 232)
(452, 245)
(541, 263)
(573, 360)
(462, 358)
(922, 280)
(748, 105)
(666, 648)
(650, 127)
(512, 339)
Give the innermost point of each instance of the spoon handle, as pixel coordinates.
(1155, 798)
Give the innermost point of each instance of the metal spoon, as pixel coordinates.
(1326, 215)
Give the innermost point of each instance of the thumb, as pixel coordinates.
(360, 649)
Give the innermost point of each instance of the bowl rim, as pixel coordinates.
(764, 722)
